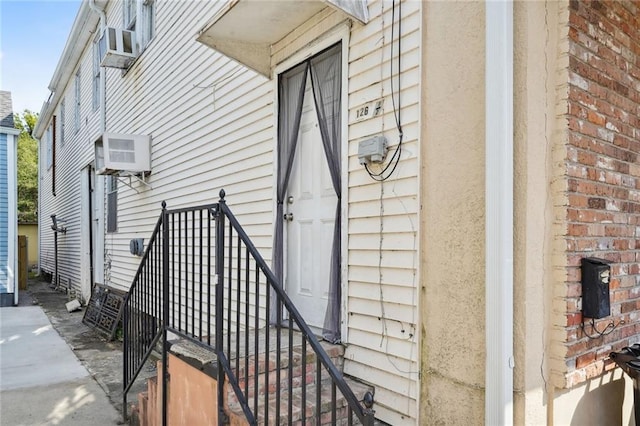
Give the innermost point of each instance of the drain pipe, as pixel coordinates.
(97, 264)
(103, 109)
(56, 230)
(499, 213)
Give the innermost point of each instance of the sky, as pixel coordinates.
(33, 34)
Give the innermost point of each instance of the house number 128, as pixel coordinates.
(362, 112)
(367, 111)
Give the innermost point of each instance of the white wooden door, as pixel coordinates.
(310, 207)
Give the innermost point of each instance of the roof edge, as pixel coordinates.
(81, 32)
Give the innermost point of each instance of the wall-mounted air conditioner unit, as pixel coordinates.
(115, 153)
(117, 48)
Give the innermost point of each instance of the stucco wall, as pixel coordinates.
(31, 232)
(452, 285)
(538, 139)
(453, 340)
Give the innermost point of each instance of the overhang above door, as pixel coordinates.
(245, 29)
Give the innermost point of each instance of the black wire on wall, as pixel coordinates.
(384, 174)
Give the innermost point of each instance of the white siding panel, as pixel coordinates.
(212, 126)
(394, 312)
(76, 153)
(383, 274)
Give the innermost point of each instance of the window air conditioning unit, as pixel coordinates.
(117, 48)
(115, 153)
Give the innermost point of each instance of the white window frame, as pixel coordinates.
(62, 119)
(112, 204)
(148, 22)
(96, 75)
(129, 13)
(49, 147)
(139, 16)
(76, 106)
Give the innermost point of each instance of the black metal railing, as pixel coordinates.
(141, 313)
(217, 291)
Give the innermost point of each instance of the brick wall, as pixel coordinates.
(603, 176)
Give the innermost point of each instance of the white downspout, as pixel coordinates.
(499, 213)
(98, 249)
(103, 100)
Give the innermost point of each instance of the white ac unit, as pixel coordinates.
(116, 152)
(117, 48)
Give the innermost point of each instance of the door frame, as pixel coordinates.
(340, 33)
(92, 226)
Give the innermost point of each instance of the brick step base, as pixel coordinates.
(268, 367)
(303, 370)
(311, 412)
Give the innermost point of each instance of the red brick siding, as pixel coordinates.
(603, 174)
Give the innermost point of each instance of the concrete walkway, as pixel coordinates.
(41, 380)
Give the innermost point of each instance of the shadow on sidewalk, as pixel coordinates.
(102, 358)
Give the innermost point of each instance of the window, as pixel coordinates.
(148, 23)
(139, 16)
(76, 109)
(49, 145)
(130, 13)
(96, 75)
(62, 113)
(112, 204)
(53, 156)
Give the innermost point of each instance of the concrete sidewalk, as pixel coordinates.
(41, 380)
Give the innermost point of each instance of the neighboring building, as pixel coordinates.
(460, 270)
(30, 230)
(8, 203)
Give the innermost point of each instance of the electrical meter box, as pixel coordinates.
(596, 274)
(372, 150)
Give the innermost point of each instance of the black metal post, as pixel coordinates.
(125, 362)
(636, 400)
(55, 245)
(219, 302)
(165, 308)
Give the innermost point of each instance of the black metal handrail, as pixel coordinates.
(142, 309)
(218, 292)
(283, 306)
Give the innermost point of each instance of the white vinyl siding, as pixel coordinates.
(78, 152)
(209, 132)
(212, 125)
